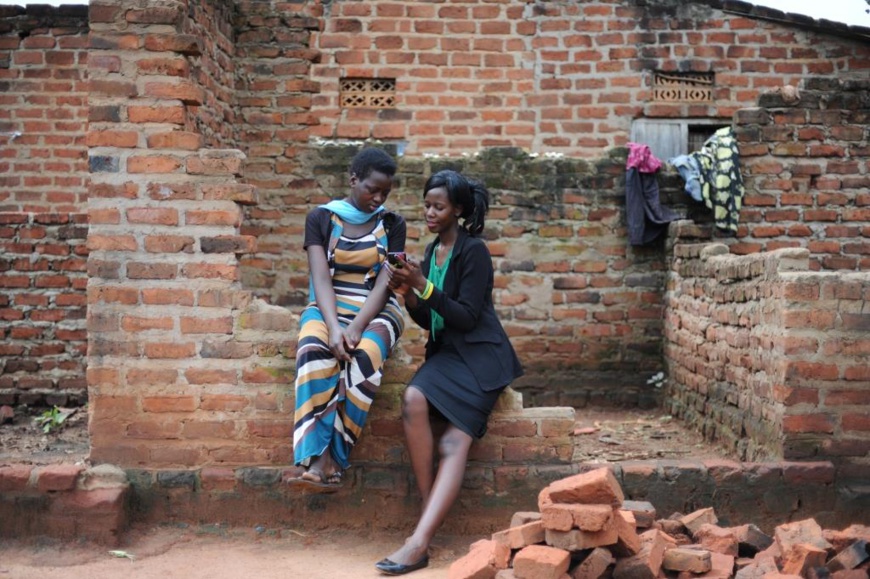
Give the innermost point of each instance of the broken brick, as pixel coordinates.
(693, 521)
(644, 513)
(541, 562)
(564, 517)
(717, 539)
(687, 559)
(483, 561)
(801, 558)
(598, 486)
(594, 565)
(522, 536)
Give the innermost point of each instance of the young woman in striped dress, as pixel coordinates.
(352, 320)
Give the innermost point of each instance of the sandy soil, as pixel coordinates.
(169, 553)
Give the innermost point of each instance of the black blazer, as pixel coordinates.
(471, 325)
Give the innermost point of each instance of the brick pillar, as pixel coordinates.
(173, 375)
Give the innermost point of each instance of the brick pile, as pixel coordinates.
(585, 529)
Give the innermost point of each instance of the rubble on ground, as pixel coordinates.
(585, 529)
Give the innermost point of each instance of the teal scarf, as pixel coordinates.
(349, 213)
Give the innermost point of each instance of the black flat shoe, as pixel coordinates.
(387, 567)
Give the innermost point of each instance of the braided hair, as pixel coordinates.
(463, 192)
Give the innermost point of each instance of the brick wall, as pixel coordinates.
(550, 76)
(766, 357)
(43, 109)
(208, 58)
(43, 308)
(185, 362)
(806, 172)
(43, 192)
(163, 298)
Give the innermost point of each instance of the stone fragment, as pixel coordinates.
(751, 540)
(644, 513)
(694, 520)
(686, 559)
(648, 562)
(807, 532)
(722, 567)
(594, 565)
(850, 557)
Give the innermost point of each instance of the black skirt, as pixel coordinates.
(450, 386)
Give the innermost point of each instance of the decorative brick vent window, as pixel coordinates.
(690, 87)
(376, 93)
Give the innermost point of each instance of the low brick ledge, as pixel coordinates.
(64, 501)
(97, 504)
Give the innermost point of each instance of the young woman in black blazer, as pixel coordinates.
(469, 359)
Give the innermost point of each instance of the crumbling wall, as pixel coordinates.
(767, 357)
(43, 195)
(806, 175)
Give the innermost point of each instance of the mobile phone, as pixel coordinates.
(396, 258)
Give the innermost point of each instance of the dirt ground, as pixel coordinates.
(167, 552)
(604, 435)
(172, 552)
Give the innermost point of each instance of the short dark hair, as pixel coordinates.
(372, 159)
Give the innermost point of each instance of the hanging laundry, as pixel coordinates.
(646, 217)
(688, 168)
(721, 181)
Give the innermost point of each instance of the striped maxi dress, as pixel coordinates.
(333, 398)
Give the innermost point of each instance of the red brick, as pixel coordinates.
(541, 562)
(807, 531)
(595, 487)
(594, 565)
(15, 478)
(801, 558)
(520, 536)
(564, 517)
(483, 561)
(60, 477)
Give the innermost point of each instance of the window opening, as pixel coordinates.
(698, 135)
(377, 93)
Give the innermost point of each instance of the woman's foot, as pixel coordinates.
(322, 473)
(409, 557)
(323, 469)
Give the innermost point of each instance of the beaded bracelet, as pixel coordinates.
(427, 291)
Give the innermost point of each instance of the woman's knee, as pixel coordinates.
(453, 441)
(414, 403)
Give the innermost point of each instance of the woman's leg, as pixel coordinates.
(317, 398)
(453, 449)
(419, 440)
(360, 382)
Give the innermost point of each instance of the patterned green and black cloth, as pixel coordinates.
(721, 181)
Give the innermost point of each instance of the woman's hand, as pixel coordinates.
(409, 276)
(352, 337)
(337, 343)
